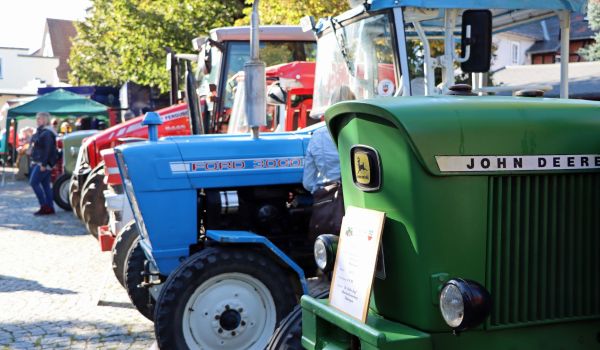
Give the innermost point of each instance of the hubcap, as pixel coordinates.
(229, 311)
(230, 320)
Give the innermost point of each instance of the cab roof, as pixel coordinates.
(268, 33)
(570, 5)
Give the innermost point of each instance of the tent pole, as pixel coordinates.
(5, 148)
(565, 27)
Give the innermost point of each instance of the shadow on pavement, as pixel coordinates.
(9, 284)
(74, 333)
(123, 305)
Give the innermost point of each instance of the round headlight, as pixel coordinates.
(320, 254)
(324, 250)
(464, 304)
(451, 305)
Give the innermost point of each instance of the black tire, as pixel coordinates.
(288, 336)
(202, 270)
(139, 296)
(75, 196)
(60, 189)
(93, 209)
(120, 250)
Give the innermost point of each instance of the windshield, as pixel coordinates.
(356, 58)
(271, 52)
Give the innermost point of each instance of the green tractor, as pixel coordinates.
(491, 232)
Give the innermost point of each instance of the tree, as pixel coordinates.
(592, 52)
(291, 11)
(124, 40)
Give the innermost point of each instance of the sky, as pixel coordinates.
(22, 21)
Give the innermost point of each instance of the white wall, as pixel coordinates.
(19, 70)
(504, 50)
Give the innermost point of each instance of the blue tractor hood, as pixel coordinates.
(216, 161)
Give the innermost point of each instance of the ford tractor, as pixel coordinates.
(290, 91)
(491, 231)
(221, 95)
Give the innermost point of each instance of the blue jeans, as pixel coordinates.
(40, 182)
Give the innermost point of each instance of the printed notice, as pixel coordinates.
(355, 261)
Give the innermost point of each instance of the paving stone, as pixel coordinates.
(52, 277)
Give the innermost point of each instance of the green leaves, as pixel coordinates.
(592, 52)
(125, 40)
(291, 11)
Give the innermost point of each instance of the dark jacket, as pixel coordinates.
(44, 149)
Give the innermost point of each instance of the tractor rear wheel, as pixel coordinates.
(134, 266)
(120, 250)
(60, 189)
(93, 209)
(223, 298)
(75, 196)
(288, 336)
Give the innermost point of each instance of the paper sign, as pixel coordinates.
(354, 268)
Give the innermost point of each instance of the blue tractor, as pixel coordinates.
(222, 217)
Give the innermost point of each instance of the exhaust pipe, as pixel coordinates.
(255, 79)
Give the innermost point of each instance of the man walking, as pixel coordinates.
(43, 156)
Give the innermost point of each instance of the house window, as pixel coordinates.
(515, 53)
(1, 70)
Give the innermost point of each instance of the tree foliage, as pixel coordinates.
(592, 52)
(124, 40)
(291, 11)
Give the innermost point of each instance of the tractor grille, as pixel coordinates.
(544, 248)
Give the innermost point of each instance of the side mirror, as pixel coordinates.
(205, 58)
(476, 41)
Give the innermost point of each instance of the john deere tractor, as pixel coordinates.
(491, 235)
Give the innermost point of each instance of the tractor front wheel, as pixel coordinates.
(60, 189)
(223, 298)
(120, 250)
(134, 266)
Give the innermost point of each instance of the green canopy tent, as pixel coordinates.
(59, 103)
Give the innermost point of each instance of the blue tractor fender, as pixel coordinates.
(247, 237)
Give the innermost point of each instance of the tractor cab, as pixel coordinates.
(222, 55)
(379, 49)
(489, 201)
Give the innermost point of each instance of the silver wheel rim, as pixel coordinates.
(229, 311)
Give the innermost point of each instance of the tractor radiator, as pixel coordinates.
(543, 248)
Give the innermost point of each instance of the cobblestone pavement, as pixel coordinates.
(57, 290)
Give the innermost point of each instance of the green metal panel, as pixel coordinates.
(544, 264)
(326, 328)
(71, 144)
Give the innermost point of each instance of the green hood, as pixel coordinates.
(471, 125)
